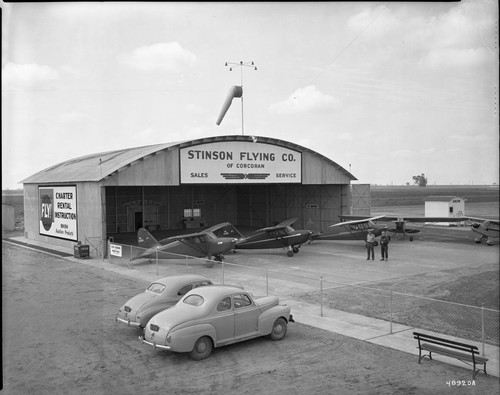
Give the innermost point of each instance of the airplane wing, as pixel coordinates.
(216, 230)
(184, 237)
(393, 218)
(357, 220)
(493, 221)
(281, 225)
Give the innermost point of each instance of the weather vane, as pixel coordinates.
(235, 91)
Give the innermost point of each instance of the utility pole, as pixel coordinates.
(241, 64)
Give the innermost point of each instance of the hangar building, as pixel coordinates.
(249, 181)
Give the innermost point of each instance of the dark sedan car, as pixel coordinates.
(158, 296)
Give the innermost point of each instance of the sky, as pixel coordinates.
(387, 90)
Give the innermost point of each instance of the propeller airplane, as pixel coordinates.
(201, 244)
(278, 236)
(356, 229)
(487, 229)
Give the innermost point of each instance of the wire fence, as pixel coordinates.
(478, 324)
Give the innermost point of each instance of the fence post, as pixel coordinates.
(267, 282)
(482, 326)
(321, 293)
(391, 311)
(156, 253)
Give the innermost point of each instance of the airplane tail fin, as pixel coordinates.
(146, 239)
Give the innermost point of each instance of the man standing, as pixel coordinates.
(384, 245)
(370, 244)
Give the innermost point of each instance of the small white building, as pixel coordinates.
(444, 206)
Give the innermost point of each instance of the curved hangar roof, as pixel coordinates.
(98, 167)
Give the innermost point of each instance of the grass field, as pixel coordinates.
(389, 196)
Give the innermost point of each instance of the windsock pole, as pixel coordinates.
(240, 65)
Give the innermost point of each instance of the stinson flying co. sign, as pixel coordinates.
(239, 162)
(57, 205)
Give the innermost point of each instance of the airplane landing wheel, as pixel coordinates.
(295, 249)
(289, 253)
(208, 263)
(411, 238)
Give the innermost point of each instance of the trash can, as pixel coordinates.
(81, 251)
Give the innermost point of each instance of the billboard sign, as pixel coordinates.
(57, 209)
(239, 162)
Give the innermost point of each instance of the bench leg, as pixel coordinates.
(420, 356)
(476, 371)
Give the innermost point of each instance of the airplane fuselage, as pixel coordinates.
(197, 246)
(274, 239)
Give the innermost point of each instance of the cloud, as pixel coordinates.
(161, 56)
(25, 76)
(459, 36)
(305, 100)
(454, 57)
(378, 21)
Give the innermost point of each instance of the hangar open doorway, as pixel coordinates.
(200, 206)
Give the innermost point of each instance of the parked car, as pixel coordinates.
(158, 296)
(215, 316)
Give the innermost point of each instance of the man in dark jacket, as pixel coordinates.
(384, 245)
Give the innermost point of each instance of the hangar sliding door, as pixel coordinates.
(360, 199)
(252, 205)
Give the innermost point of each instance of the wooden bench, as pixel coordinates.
(466, 353)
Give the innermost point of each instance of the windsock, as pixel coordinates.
(235, 91)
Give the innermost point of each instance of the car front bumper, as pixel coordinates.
(153, 344)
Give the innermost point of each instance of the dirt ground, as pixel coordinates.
(60, 337)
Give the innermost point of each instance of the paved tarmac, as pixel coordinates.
(346, 265)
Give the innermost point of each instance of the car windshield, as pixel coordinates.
(156, 288)
(195, 300)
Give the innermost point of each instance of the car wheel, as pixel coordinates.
(202, 348)
(279, 329)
